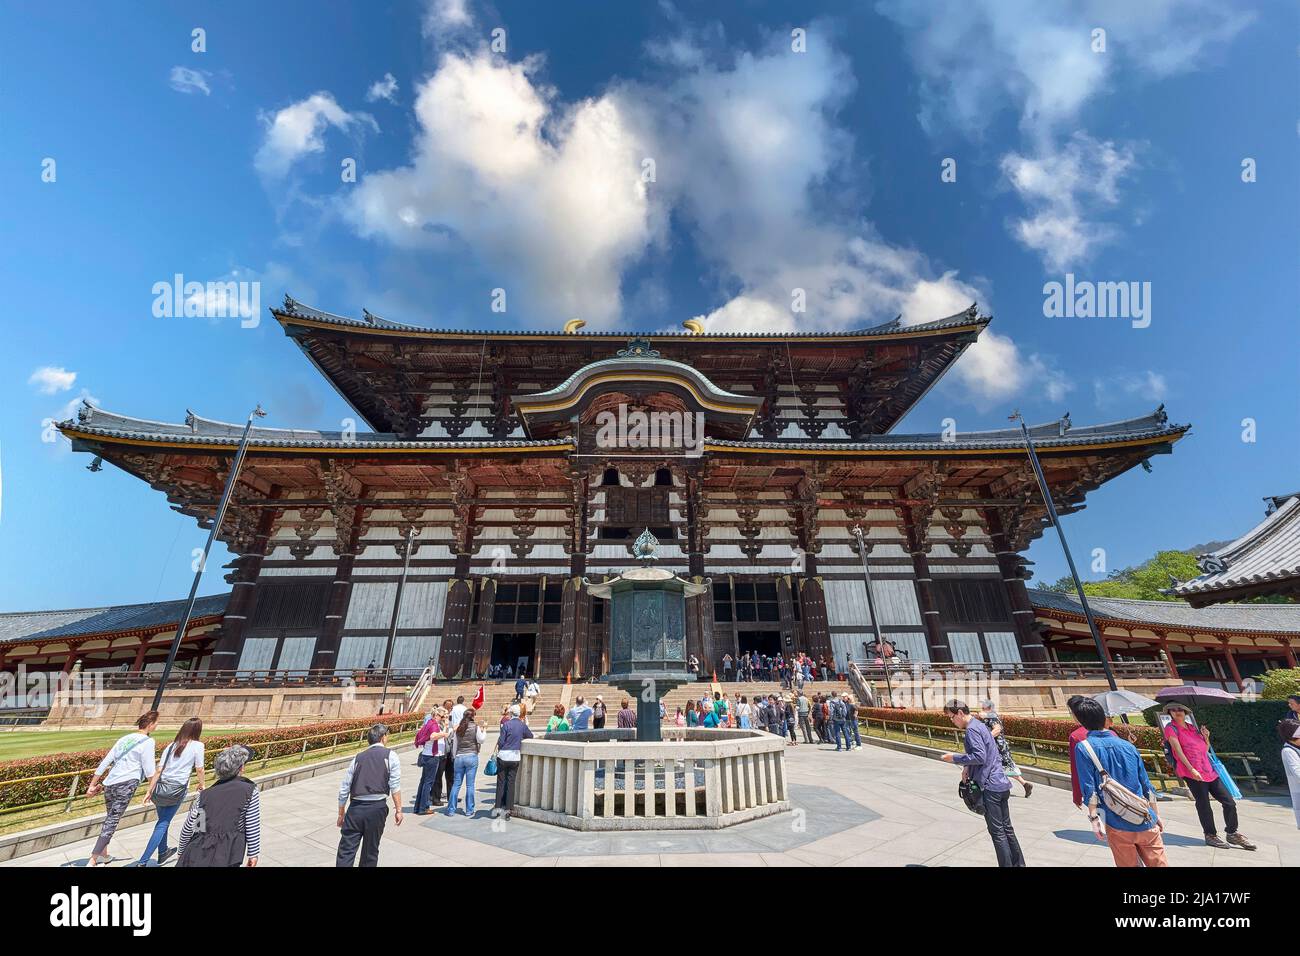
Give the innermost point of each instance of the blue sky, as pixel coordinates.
(774, 169)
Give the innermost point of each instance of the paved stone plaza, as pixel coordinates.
(871, 807)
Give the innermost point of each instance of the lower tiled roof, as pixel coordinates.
(21, 626)
(1274, 618)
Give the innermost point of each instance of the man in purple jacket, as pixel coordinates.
(982, 764)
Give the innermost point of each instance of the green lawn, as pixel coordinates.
(35, 743)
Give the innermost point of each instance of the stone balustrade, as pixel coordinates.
(606, 780)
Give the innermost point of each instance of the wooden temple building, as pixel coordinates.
(1223, 645)
(487, 456)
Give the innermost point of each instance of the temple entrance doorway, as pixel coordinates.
(515, 651)
(764, 642)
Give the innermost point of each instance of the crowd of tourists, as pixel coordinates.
(1109, 778)
(795, 670)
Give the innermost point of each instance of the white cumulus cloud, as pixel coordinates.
(184, 80)
(1063, 188)
(978, 57)
(298, 130)
(51, 379)
(384, 89)
(745, 152)
(548, 195)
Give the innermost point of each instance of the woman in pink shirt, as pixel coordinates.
(1192, 764)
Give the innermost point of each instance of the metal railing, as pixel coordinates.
(1073, 670)
(1035, 749)
(290, 746)
(424, 682)
(260, 677)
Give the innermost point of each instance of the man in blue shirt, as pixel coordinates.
(579, 716)
(1131, 844)
(982, 764)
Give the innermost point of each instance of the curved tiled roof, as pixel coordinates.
(22, 626)
(1255, 618)
(293, 309)
(199, 431)
(1266, 555)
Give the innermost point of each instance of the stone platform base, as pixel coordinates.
(230, 706)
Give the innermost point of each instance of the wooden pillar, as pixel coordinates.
(1232, 666)
(699, 627)
(816, 629)
(455, 629)
(70, 659)
(576, 618)
(1169, 659)
(140, 652)
(479, 655)
(1290, 654)
(935, 636)
(325, 656)
(1011, 566)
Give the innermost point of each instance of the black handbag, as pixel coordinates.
(168, 794)
(972, 796)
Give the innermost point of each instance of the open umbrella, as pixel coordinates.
(1117, 702)
(1194, 693)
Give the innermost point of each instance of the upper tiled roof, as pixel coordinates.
(1261, 560)
(1271, 618)
(293, 309)
(20, 626)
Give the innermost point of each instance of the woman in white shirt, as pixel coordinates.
(170, 783)
(1289, 731)
(129, 761)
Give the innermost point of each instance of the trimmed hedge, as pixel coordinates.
(1243, 727)
(276, 742)
(1039, 728)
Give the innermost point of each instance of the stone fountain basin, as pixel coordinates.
(696, 778)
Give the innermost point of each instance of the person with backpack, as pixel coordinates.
(851, 732)
(982, 765)
(838, 729)
(1190, 755)
(1116, 789)
(372, 778)
(170, 783)
(224, 826)
(127, 762)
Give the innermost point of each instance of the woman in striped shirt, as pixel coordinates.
(232, 817)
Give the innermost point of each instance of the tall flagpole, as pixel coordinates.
(203, 562)
(1069, 559)
(871, 609)
(397, 611)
